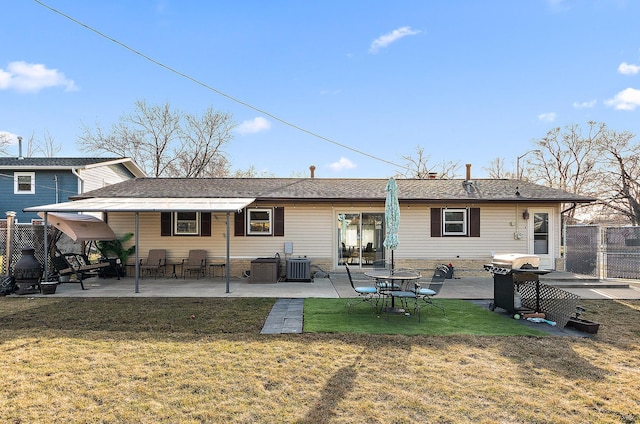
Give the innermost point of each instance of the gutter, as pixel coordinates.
(80, 179)
(569, 208)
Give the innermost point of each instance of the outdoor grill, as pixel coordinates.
(517, 289)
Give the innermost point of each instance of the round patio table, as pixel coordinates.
(391, 277)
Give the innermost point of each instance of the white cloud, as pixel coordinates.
(342, 164)
(584, 105)
(8, 138)
(33, 77)
(393, 36)
(253, 126)
(547, 117)
(628, 69)
(627, 99)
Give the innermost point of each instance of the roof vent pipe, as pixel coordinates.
(20, 148)
(312, 170)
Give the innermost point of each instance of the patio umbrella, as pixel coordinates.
(391, 218)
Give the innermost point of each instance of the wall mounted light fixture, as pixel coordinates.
(525, 214)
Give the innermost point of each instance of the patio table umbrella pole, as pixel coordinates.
(391, 218)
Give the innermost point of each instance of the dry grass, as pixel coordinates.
(147, 361)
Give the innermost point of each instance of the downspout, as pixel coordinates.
(80, 180)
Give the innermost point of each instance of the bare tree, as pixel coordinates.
(252, 172)
(166, 142)
(620, 174)
(32, 146)
(47, 146)
(566, 159)
(418, 167)
(497, 169)
(201, 154)
(5, 141)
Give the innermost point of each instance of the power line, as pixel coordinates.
(208, 87)
(42, 186)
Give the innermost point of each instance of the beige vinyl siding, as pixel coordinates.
(307, 227)
(312, 228)
(102, 176)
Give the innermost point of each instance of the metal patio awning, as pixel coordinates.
(148, 204)
(80, 227)
(136, 205)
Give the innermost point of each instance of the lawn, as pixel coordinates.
(458, 317)
(153, 360)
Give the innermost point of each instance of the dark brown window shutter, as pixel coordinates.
(205, 224)
(436, 222)
(238, 223)
(165, 224)
(474, 222)
(278, 222)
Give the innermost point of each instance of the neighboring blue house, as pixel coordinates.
(31, 181)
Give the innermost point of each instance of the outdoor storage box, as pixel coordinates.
(265, 270)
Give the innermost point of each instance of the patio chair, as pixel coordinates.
(427, 293)
(365, 293)
(155, 263)
(195, 262)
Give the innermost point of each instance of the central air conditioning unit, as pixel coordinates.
(299, 269)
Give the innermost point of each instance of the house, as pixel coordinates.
(31, 181)
(335, 221)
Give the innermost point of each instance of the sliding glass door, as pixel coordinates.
(360, 237)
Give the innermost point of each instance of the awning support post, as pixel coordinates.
(227, 264)
(137, 255)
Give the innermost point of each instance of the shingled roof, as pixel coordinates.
(335, 189)
(27, 162)
(66, 163)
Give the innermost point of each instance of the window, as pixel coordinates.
(454, 222)
(259, 221)
(252, 221)
(186, 223)
(24, 183)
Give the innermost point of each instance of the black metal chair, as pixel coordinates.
(427, 293)
(365, 293)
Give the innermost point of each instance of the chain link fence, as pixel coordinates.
(603, 252)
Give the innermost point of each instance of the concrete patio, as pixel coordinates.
(336, 286)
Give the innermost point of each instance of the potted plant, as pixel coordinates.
(115, 249)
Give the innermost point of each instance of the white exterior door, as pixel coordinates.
(541, 236)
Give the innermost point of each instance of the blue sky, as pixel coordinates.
(467, 80)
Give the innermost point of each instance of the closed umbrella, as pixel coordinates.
(391, 218)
